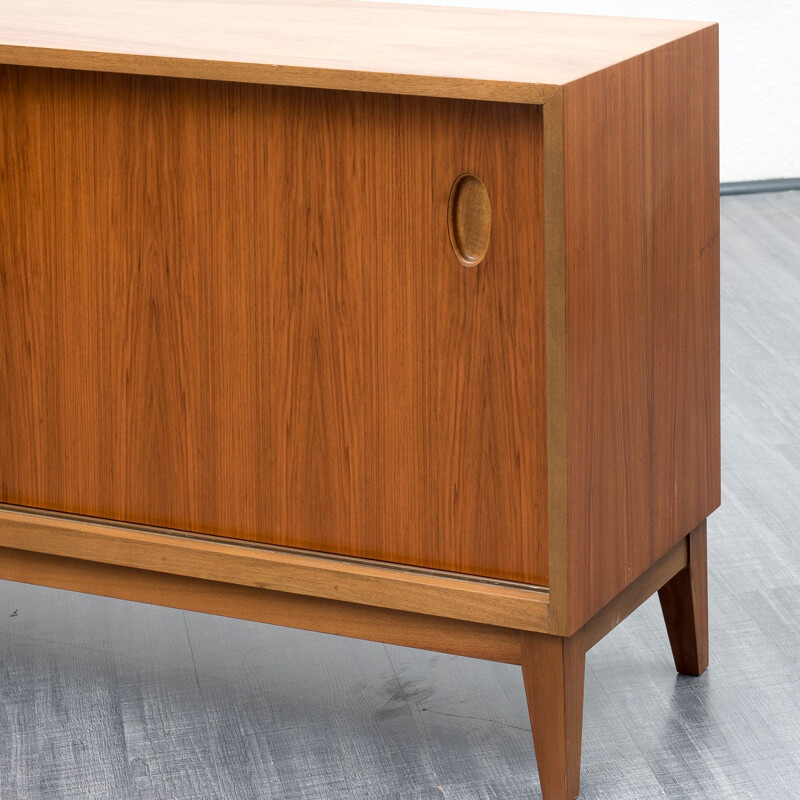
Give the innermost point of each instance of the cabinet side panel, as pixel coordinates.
(641, 201)
(686, 254)
(234, 309)
(609, 338)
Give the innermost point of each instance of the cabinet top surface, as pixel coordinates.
(337, 44)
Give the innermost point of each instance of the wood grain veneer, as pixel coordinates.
(333, 44)
(234, 309)
(240, 323)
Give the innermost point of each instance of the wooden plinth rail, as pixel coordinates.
(310, 591)
(276, 569)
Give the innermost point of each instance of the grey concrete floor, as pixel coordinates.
(106, 699)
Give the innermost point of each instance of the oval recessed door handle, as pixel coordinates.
(469, 219)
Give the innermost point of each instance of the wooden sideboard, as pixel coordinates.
(393, 322)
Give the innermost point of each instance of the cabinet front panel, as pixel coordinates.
(238, 309)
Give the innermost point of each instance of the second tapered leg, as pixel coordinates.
(684, 601)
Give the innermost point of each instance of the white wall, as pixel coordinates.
(759, 72)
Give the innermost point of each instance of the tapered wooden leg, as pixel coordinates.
(684, 601)
(553, 671)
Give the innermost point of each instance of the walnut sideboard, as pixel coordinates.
(394, 322)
